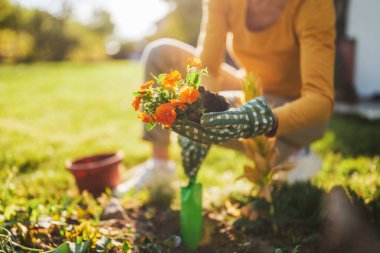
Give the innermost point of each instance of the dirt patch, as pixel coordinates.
(218, 236)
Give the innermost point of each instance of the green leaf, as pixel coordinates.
(296, 249)
(102, 245)
(166, 95)
(155, 78)
(63, 248)
(150, 126)
(126, 246)
(194, 79)
(197, 80)
(188, 75)
(72, 247)
(34, 203)
(79, 239)
(160, 77)
(204, 71)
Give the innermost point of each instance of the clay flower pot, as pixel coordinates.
(96, 173)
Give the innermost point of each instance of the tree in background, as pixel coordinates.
(102, 23)
(51, 42)
(183, 23)
(91, 37)
(36, 35)
(14, 42)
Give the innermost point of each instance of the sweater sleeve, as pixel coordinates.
(315, 31)
(212, 40)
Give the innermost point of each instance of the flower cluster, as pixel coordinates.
(169, 96)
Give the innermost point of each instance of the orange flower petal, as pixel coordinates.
(175, 74)
(194, 62)
(178, 104)
(165, 114)
(170, 81)
(146, 118)
(188, 94)
(182, 107)
(146, 85)
(136, 102)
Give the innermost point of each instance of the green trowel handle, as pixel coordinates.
(191, 215)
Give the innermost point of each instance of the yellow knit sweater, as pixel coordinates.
(292, 58)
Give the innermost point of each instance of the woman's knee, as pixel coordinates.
(165, 53)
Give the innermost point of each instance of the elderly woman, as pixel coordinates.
(288, 45)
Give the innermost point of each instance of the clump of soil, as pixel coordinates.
(163, 223)
(208, 102)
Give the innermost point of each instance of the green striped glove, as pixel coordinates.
(252, 119)
(193, 155)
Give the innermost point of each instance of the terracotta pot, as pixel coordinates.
(96, 173)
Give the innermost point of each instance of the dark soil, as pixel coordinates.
(209, 102)
(341, 227)
(218, 237)
(346, 226)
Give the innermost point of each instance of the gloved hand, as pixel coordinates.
(252, 119)
(193, 155)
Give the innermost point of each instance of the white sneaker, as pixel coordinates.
(306, 165)
(153, 175)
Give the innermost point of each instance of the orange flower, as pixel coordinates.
(136, 102)
(188, 94)
(146, 85)
(178, 104)
(182, 107)
(165, 114)
(146, 118)
(194, 62)
(170, 81)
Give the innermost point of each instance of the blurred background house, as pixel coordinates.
(37, 30)
(357, 75)
(363, 26)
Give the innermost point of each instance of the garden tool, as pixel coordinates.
(191, 214)
(193, 155)
(251, 119)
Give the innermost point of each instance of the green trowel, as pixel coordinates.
(191, 214)
(193, 155)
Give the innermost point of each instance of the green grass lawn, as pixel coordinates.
(51, 112)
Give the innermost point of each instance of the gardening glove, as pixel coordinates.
(198, 133)
(249, 120)
(193, 155)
